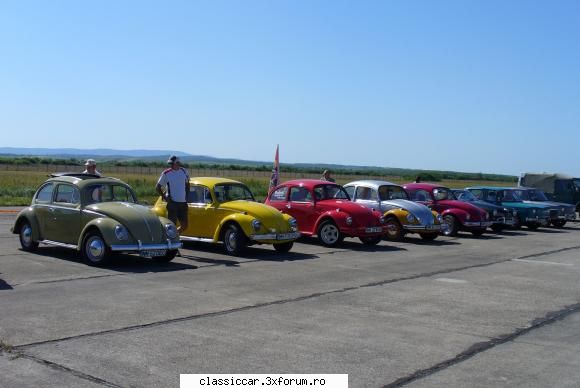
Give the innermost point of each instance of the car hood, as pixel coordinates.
(420, 211)
(489, 207)
(465, 206)
(142, 223)
(551, 204)
(524, 205)
(353, 208)
(268, 215)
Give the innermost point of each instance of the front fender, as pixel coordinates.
(339, 219)
(460, 214)
(27, 214)
(399, 214)
(243, 220)
(106, 226)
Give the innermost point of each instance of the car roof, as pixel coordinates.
(422, 186)
(492, 188)
(375, 184)
(308, 183)
(82, 180)
(211, 181)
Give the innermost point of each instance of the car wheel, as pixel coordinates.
(429, 236)
(26, 240)
(452, 226)
(517, 223)
(284, 247)
(94, 249)
(329, 234)
(170, 255)
(371, 240)
(497, 228)
(394, 230)
(234, 240)
(559, 223)
(533, 226)
(478, 233)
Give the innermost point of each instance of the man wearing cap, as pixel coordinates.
(173, 186)
(91, 167)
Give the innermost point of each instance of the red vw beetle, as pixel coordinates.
(457, 215)
(324, 209)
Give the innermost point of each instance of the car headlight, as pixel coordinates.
(515, 213)
(495, 212)
(439, 218)
(411, 218)
(293, 224)
(348, 220)
(534, 211)
(170, 231)
(256, 224)
(121, 232)
(468, 217)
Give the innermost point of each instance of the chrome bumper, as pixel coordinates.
(145, 247)
(478, 224)
(425, 228)
(569, 217)
(504, 221)
(275, 236)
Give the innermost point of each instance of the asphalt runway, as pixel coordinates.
(501, 310)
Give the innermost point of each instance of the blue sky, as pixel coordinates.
(482, 86)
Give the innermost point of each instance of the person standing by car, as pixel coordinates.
(326, 176)
(175, 182)
(91, 167)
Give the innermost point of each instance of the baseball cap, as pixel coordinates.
(173, 159)
(90, 162)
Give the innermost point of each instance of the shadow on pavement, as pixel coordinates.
(547, 231)
(439, 242)
(354, 245)
(252, 253)
(120, 262)
(4, 285)
(510, 233)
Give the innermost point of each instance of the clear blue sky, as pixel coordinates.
(488, 85)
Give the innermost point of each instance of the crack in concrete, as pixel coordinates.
(481, 347)
(276, 302)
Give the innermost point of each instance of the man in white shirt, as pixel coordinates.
(91, 167)
(173, 186)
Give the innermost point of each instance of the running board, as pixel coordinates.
(187, 238)
(59, 244)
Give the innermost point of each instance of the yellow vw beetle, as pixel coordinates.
(222, 209)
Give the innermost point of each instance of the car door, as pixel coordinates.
(301, 206)
(42, 208)
(65, 217)
(201, 213)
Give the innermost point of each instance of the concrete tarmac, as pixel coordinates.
(501, 310)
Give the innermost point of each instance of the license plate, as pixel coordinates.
(153, 253)
(377, 229)
(285, 236)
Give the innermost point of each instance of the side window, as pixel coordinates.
(350, 191)
(44, 195)
(199, 194)
(492, 196)
(121, 193)
(421, 195)
(478, 193)
(300, 194)
(67, 194)
(366, 193)
(279, 195)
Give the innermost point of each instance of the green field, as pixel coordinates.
(18, 187)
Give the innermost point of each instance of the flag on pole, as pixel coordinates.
(275, 171)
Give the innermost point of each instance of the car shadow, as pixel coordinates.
(251, 253)
(120, 262)
(486, 236)
(511, 233)
(4, 285)
(546, 230)
(354, 245)
(438, 242)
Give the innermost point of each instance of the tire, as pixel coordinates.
(429, 236)
(170, 255)
(26, 241)
(329, 234)
(94, 250)
(452, 225)
(234, 240)
(477, 233)
(497, 228)
(517, 223)
(394, 230)
(370, 241)
(284, 247)
(533, 226)
(559, 223)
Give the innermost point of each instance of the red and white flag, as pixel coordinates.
(275, 171)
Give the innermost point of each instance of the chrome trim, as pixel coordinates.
(59, 244)
(483, 224)
(75, 208)
(146, 247)
(275, 236)
(188, 238)
(427, 228)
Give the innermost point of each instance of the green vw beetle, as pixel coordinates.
(96, 216)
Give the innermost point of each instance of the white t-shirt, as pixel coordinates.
(94, 173)
(175, 180)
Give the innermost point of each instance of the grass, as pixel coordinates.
(18, 187)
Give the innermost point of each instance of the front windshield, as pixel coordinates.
(509, 196)
(110, 192)
(443, 193)
(323, 192)
(387, 193)
(232, 192)
(536, 195)
(465, 195)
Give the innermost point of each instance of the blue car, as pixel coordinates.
(560, 213)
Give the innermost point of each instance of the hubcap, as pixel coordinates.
(96, 248)
(450, 225)
(329, 234)
(231, 239)
(392, 229)
(26, 235)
